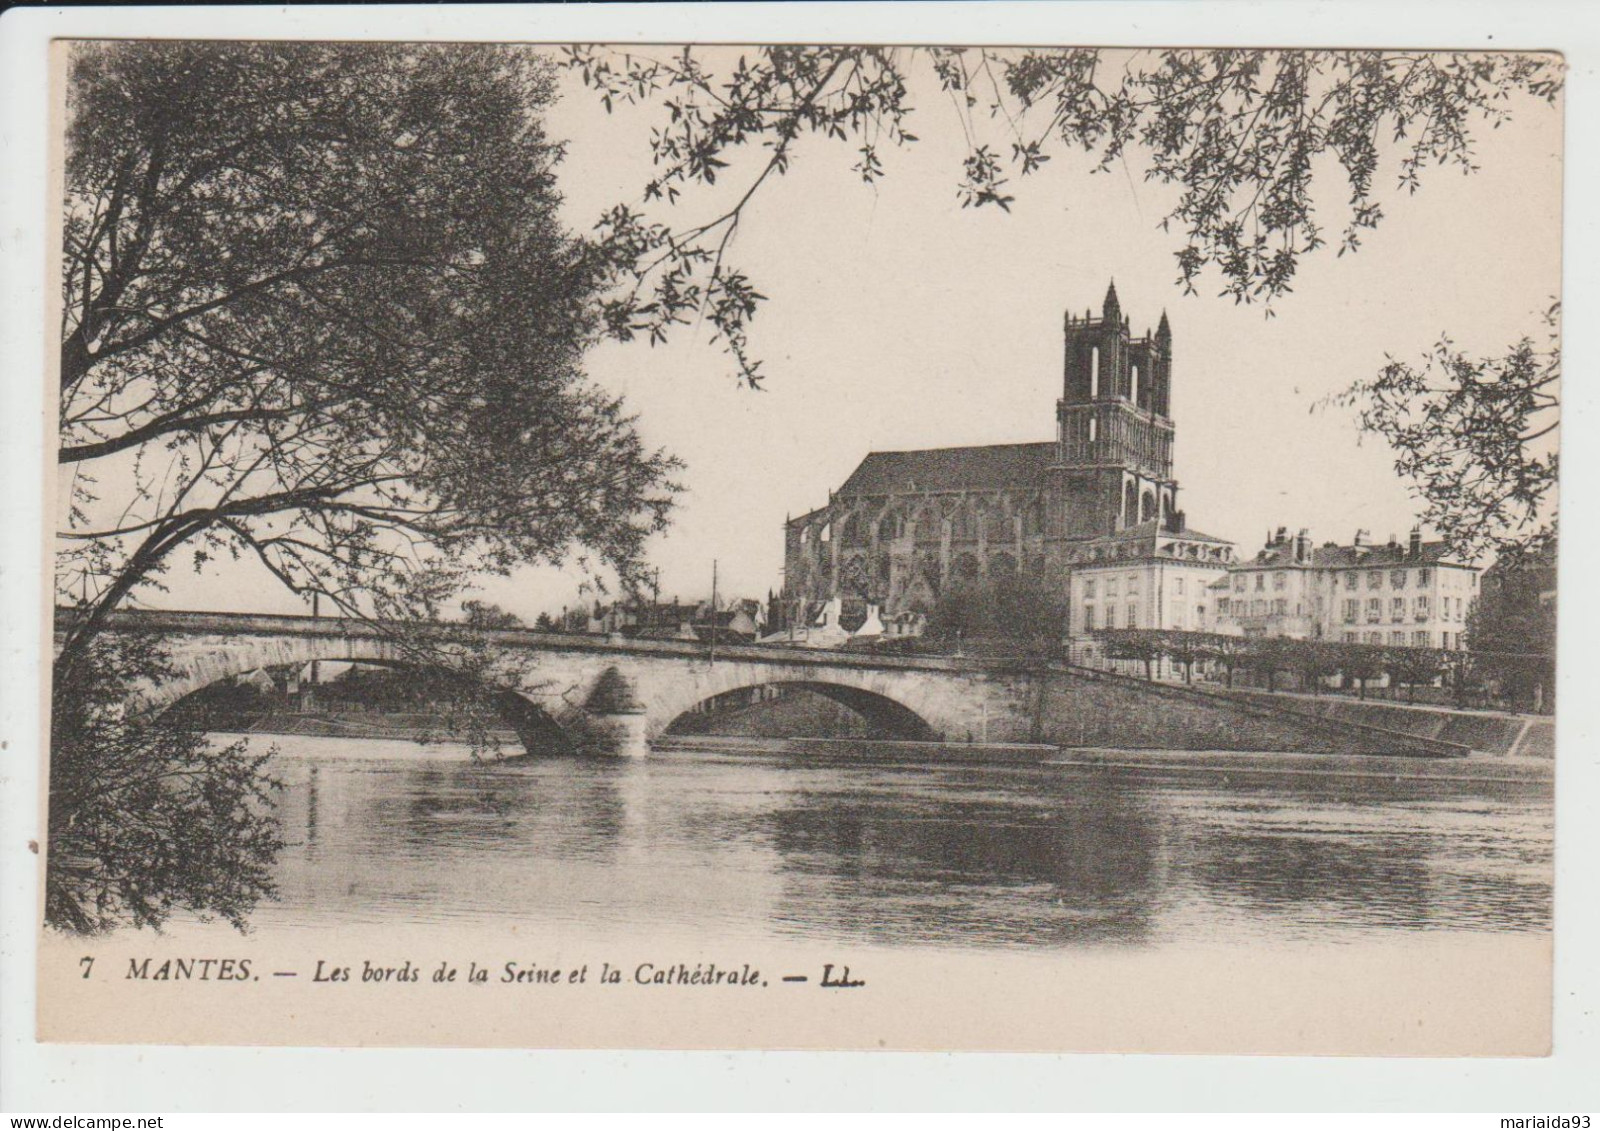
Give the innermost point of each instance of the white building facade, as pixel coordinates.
(1410, 594)
(1150, 576)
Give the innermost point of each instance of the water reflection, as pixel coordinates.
(758, 846)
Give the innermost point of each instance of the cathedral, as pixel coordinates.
(905, 526)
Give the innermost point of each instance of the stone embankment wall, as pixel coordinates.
(1084, 708)
(1484, 732)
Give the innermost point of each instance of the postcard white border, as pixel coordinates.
(91, 1078)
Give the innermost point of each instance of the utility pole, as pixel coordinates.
(316, 611)
(713, 610)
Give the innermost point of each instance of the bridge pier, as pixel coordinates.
(617, 719)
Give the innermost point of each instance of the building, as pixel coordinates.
(1410, 594)
(1100, 499)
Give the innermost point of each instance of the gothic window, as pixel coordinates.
(1147, 506)
(1094, 373)
(929, 526)
(1133, 387)
(964, 524)
(1033, 517)
(850, 531)
(884, 567)
(1092, 423)
(827, 533)
(1130, 505)
(890, 526)
(966, 568)
(855, 577)
(1002, 565)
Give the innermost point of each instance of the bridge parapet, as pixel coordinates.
(976, 699)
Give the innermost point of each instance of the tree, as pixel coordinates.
(1245, 139)
(1141, 644)
(1228, 651)
(961, 612)
(1363, 662)
(147, 814)
(1511, 629)
(1411, 666)
(484, 614)
(1314, 660)
(1023, 610)
(319, 311)
(1476, 438)
(1185, 649)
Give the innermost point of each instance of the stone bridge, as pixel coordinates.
(616, 695)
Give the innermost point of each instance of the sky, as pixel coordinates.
(896, 319)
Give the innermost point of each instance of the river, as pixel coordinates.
(946, 850)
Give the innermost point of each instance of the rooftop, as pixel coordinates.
(990, 467)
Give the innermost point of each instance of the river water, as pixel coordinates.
(929, 851)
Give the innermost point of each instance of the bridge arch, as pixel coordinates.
(912, 707)
(887, 715)
(206, 663)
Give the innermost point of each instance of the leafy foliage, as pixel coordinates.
(1245, 138)
(486, 614)
(1512, 628)
(1476, 438)
(148, 816)
(319, 311)
(1012, 608)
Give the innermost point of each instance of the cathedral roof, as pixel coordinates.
(991, 467)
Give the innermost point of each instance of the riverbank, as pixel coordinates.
(1223, 763)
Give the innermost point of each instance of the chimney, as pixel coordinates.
(1281, 537)
(1302, 545)
(1415, 547)
(1363, 537)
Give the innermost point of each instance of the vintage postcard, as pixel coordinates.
(815, 546)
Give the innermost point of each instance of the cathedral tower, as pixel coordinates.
(1114, 424)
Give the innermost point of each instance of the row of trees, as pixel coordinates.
(1472, 676)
